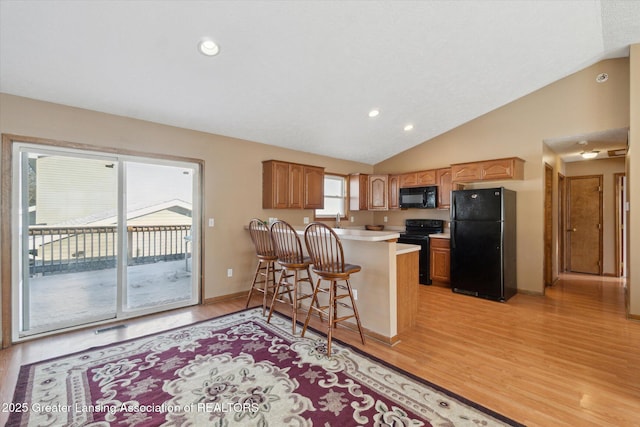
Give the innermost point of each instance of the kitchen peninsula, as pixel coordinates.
(387, 285)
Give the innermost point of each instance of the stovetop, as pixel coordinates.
(422, 227)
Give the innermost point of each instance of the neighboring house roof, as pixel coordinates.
(110, 217)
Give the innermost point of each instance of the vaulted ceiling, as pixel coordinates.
(305, 74)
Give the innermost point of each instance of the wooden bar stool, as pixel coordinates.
(325, 249)
(265, 271)
(293, 263)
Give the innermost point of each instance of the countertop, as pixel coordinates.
(360, 234)
(440, 236)
(405, 248)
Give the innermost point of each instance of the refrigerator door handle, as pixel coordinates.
(453, 207)
(452, 236)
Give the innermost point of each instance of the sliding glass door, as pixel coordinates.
(100, 237)
(159, 223)
(68, 247)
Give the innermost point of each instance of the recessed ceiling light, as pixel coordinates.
(374, 113)
(602, 77)
(208, 47)
(408, 127)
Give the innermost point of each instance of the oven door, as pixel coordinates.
(423, 241)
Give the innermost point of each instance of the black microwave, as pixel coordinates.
(418, 197)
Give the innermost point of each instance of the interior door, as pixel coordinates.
(584, 226)
(548, 225)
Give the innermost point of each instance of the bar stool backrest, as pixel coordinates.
(261, 237)
(286, 243)
(325, 248)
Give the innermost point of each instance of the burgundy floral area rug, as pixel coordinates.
(234, 370)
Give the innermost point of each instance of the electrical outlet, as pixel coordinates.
(385, 219)
(229, 272)
(352, 219)
(355, 294)
(211, 222)
(305, 220)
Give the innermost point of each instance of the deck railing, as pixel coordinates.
(83, 248)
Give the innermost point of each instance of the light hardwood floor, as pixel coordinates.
(569, 358)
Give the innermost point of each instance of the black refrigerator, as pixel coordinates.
(483, 243)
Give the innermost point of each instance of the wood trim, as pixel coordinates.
(407, 279)
(97, 148)
(5, 239)
(618, 188)
(227, 297)
(6, 225)
(562, 223)
(548, 225)
(391, 341)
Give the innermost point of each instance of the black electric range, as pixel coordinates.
(417, 232)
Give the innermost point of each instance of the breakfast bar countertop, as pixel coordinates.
(405, 248)
(360, 234)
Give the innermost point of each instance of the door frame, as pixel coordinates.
(600, 220)
(548, 225)
(562, 223)
(620, 223)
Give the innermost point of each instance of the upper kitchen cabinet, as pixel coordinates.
(418, 179)
(378, 193)
(292, 186)
(488, 170)
(358, 191)
(445, 185)
(394, 191)
(368, 192)
(313, 187)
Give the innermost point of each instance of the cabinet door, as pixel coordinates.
(313, 188)
(408, 180)
(275, 185)
(444, 188)
(358, 191)
(440, 261)
(502, 169)
(296, 186)
(468, 172)
(378, 198)
(426, 177)
(394, 191)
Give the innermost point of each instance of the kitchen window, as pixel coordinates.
(335, 197)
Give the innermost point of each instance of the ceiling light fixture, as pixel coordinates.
(374, 113)
(408, 127)
(602, 77)
(208, 47)
(589, 154)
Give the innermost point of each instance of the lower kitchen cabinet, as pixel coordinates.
(440, 261)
